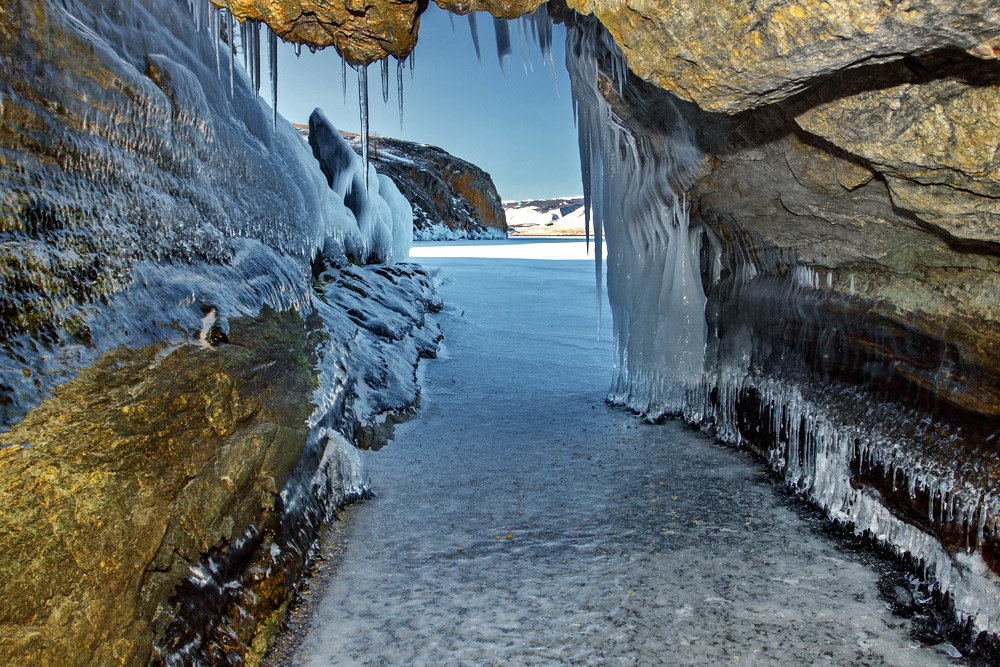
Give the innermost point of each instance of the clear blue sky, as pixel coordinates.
(513, 124)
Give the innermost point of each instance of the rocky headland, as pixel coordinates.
(451, 198)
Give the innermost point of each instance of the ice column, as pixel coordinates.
(632, 184)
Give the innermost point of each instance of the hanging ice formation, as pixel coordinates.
(231, 42)
(385, 79)
(216, 32)
(399, 89)
(676, 357)
(343, 76)
(474, 31)
(272, 56)
(653, 253)
(502, 30)
(363, 104)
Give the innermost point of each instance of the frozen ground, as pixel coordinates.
(520, 520)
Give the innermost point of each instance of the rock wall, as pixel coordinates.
(828, 267)
(191, 340)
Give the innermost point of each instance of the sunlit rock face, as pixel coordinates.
(363, 31)
(731, 56)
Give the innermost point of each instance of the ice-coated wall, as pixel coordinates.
(756, 343)
(144, 183)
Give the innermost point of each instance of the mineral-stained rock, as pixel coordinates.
(937, 144)
(362, 30)
(114, 487)
(726, 56)
(502, 9)
(730, 56)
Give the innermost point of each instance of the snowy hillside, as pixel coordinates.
(545, 217)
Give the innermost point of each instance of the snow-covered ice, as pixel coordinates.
(519, 519)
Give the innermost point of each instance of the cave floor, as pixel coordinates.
(518, 519)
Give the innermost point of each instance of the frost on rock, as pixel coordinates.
(695, 334)
(376, 317)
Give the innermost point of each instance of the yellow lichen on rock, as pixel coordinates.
(361, 31)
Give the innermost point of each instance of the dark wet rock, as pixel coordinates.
(118, 484)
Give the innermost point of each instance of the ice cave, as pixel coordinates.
(265, 402)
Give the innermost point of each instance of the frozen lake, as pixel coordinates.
(520, 520)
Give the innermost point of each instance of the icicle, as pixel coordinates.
(343, 76)
(363, 104)
(243, 44)
(413, 63)
(272, 57)
(524, 42)
(545, 41)
(385, 79)
(298, 50)
(502, 30)
(216, 36)
(399, 89)
(474, 31)
(451, 19)
(230, 36)
(255, 44)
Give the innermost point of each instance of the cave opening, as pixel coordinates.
(798, 240)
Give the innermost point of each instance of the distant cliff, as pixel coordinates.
(451, 198)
